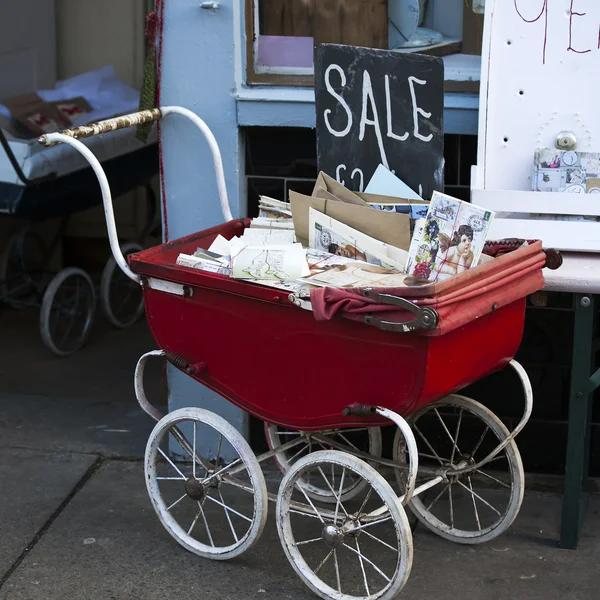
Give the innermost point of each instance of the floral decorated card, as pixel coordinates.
(449, 240)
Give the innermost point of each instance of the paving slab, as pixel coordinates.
(34, 485)
(110, 427)
(108, 545)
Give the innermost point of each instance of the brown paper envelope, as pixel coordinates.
(376, 199)
(388, 227)
(325, 195)
(342, 193)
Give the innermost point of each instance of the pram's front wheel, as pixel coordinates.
(67, 311)
(213, 505)
(352, 550)
(121, 298)
(477, 504)
(362, 439)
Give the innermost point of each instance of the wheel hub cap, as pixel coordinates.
(194, 489)
(333, 536)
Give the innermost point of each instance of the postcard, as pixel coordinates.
(566, 171)
(193, 262)
(284, 262)
(356, 274)
(220, 246)
(328, 235)
(450, 240)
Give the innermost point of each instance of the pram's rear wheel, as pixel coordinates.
(214, 506)
(363, 439)
(67, 311)
(352, 550)
(121, 298)
(479, 504)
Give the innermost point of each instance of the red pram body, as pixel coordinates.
(254, 347)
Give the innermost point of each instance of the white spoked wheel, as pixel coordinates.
(355, 550)
(212, 509)
(67, 311)
(479, 504)
(121, 298)
(363, 439)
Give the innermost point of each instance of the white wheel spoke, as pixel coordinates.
(502, 483)
(480, 440)
(367, 561)
(298, 453)
(306, 514)
(365, 501)
(317, 513)
(337, 571)
(171, 479)
(319, 539)
(476, 495)
(194, 453)
(451, 506)
(218, 451)
(193, 523)
(373, 523)
(438, 497)
(362, 566)
(240, 485)
(474, 504)
(452, 440)
(206, 524)
(380, 541)
(228, 508)
(348, 441)
(323, 562)
(172, 463)
(223, 470)
(425, 455)
(338, 498)
(428, 444)
(176, 502)
(289, 433)
(456, 435)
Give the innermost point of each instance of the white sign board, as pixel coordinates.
(539, 78)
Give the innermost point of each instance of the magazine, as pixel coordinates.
(450, 240)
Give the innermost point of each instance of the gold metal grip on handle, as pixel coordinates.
(85, 131)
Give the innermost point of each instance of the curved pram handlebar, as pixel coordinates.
(71, 138)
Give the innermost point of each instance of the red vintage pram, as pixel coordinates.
(326, 372)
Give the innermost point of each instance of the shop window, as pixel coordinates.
(281, 34)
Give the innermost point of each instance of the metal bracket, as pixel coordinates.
(210, 5)
(426, 318)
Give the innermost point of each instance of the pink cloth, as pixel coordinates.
(457, 301)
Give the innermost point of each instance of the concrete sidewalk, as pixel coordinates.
(102, 541)
(76, 521)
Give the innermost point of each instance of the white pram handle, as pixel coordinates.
(70, 137)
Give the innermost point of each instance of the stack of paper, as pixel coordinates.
(335, 238)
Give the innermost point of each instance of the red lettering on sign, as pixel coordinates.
(572, 14)
(543, 13)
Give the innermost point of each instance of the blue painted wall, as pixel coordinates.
(198, 73)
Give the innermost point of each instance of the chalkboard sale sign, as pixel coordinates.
(380, 107)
